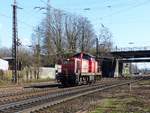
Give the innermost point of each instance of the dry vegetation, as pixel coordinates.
(117, 100)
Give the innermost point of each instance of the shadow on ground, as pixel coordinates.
(51, 85)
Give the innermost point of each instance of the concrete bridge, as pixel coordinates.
(128, 55)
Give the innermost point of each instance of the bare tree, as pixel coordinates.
(105, 40)
(25, 61)
(72, 29)
(24, 57)
(64, 33)
(53, 36)
(36, 46)
(57, 31)
(87, 36)
(47, 45)
(5, 52)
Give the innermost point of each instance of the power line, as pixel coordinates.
(127, 9)
(6, 16)
(43, 1)
(29, 25)
(47, 3)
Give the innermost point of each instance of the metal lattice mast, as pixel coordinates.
(14, 43)
(97, 48)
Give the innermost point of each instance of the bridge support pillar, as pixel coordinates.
(118, 69)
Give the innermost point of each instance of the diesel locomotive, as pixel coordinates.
(82, 68)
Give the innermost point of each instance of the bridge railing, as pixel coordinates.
(131, 49)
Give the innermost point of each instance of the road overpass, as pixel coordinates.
(129, 55)
(136, 52)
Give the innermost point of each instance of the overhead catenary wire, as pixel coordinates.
(6, 16)
(43, 1)
(23, 22)
(127, 9)
(123, 10)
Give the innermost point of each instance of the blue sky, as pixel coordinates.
(128, 20)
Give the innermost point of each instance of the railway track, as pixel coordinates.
(49, 99)
(14, 97)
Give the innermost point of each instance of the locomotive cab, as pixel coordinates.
(69, 72)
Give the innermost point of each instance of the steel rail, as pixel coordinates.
(36, 108)
(37, 93)
(50, 96)
(53, 99)
(28, 91)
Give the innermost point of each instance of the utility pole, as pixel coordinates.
(38, 51)
(14, 43)
(97, 48)
(82, 41)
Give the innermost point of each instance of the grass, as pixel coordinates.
(5, 83)
(6, 79)
(145, 82)
(125, 103)
(108, 105)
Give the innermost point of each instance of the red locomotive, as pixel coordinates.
(80, 69)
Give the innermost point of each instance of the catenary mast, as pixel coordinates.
(14, 43)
